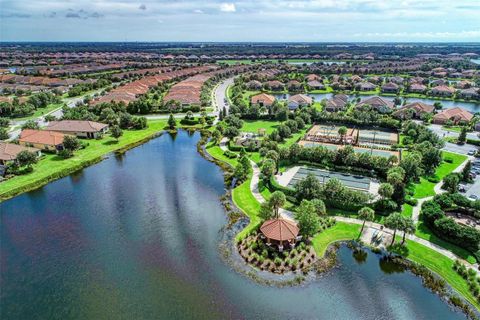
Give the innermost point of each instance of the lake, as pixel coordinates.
(469, 106)
(137, 237)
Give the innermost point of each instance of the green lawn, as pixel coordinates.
(41, 111)
(254, 125)
(442, 266)
(425, 188)
(216, 152)
(407, 210)
(424, 232)
(339, 232)
(51, 167)
(245, 201)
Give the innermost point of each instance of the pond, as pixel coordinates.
(137, 237)
(469, 106)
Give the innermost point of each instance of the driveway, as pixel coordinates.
(461, 149)
(443, 132)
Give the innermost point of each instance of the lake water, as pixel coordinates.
(136, 237)
(470, 106)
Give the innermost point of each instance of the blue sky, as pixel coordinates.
(246, 20)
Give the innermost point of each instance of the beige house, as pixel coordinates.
(262, 99)
(456, 115)
(79, 128)
(9, 152)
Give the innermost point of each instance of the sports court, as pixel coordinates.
(360, 183)
(372, 151)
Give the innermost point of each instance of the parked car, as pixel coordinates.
(473, 197)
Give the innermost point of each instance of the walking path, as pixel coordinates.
(289, 215)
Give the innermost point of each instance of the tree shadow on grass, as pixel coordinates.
(110, 142)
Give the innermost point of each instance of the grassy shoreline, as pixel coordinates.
(436, 262)
(51, 167)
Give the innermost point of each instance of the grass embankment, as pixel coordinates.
(424, 232)
(339, 232)
(426, 188)
(442, 266)
(245, 201)
(217, 153)
(51, 166)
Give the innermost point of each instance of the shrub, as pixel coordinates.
(277, 261)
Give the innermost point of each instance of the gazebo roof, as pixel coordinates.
(279, 229)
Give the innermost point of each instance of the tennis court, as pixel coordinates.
(350, 181)
(333, 147)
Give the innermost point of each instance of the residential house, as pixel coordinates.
(299, 100)
(444, 91)
(470, 93)
(365, 86)
(315, 85)
(9, 152)
(254, 85)
(79, 128)
(294, 85)
(414, 109)
(390, 87)
(455, 115)
(417, 88)
(262, 99)
(336, 103)
(42, 139)
(377, 103)
(312, 77)
(274, 85)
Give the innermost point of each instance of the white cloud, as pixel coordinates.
(227, 7)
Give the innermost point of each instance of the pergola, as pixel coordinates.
(280, 232)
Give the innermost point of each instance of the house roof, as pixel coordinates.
(42, 136)
(9, 151)
(76, 126)
(263, 97)
(457, 113)
(377, 102)
(279, 229)
(300, 98)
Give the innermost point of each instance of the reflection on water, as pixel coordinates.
(136, 237)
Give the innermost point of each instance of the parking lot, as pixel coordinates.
(472, 190)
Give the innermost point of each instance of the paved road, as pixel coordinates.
(220, 93)
(289, 215)
(443, 132)
(15, 127)
(461, 149)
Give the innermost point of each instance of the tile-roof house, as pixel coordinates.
(315, 85)
(294, 85)
(9, 152)
(415, 108)
(41, 139)
(417, 88)
(254, 84)
(365, 86)
(443, 90)
(80, 128)
(312, 77)
(470, 93)
(299, 100)
(336, 103)
(274, 85)
(262, 99)
(455, 115)
(380, 104)
(390, 87)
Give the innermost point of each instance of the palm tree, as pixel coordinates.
(407, 227)
(365, 214)
(342, 131)
(277, 200)
(394, 222)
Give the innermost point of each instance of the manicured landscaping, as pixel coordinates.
(341, 231)
(245, 201)
(254, 125)
(426, 188)
(424, 232)
(216, 152)
(441, 265)
(51, 166)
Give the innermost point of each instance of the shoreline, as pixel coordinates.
(466, 299)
